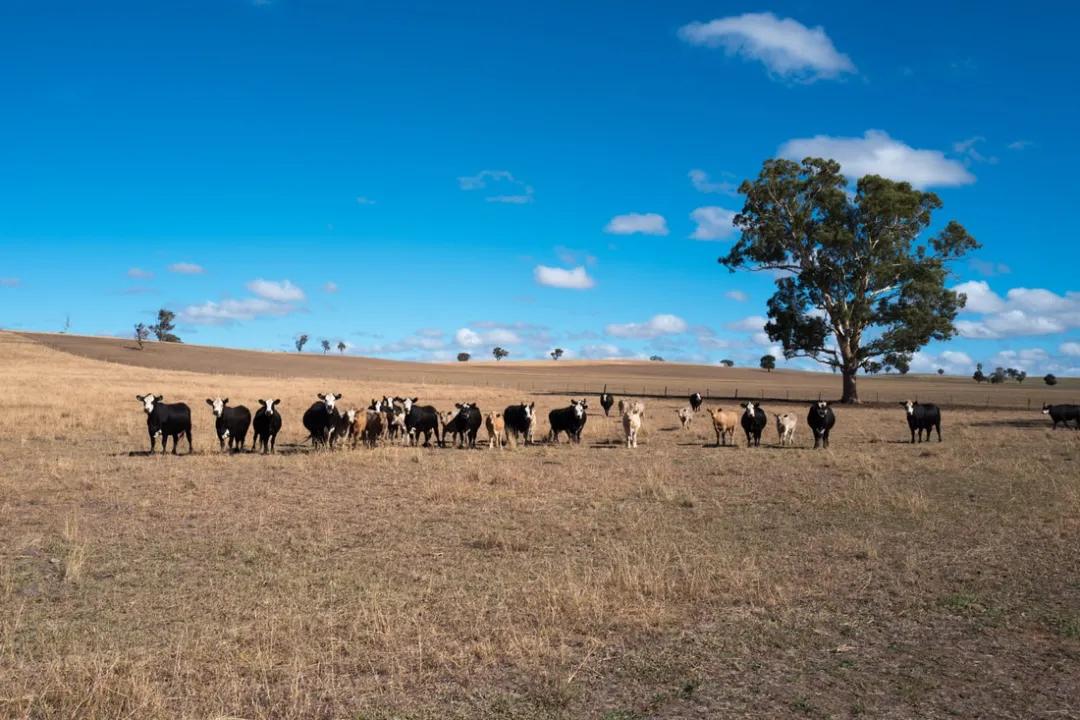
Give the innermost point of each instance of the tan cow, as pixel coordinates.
(631, 421)
(724, 423)
(686, 416)
(496, 427)
(358, 426)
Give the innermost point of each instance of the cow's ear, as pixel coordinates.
(159, 398)
(321, 396)
(277, 401)
(338, 396)
(263, 403)
(225, 401)
(416, 399)
(140, 397)
(209, 402)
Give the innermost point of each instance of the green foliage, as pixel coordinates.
(556, 353)
(163, 330)
(300, 342)
(998, 376)
(341, 346)
(141, 334)
(499, 352)
(858, 287)
(727, 363)
(1050, 379)
(656, 358)
(325, 346)
(463, 357)
(768, 362)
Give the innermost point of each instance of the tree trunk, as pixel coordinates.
(851, 393)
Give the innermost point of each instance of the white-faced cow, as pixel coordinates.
(231, 423)
(320, 420)
(165, 420)
(922, 417)
(821, 420)
(695, 401)
(463, 423)
(785, 428)
(267, 424)
(569, 420)
(631, 421)
(520, 420)
(606, 401)
(754, 419)
(1062, 414)
(420, 419)
(343, 426)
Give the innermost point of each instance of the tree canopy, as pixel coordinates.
(857, 289)
(163, 329)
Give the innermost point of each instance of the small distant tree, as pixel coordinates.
(1050, 379)
(1020, 376)
(873, 368)
(325, 346)
(301, 341)
(499, 352)
(727, 363)
(142, 333)
(998, 376)
(979, 377)
(463, 357)
(67, 324)
(941, 371)
(656, 358)
(341, 347)
(163, 330)
(768, 362)
(556, 353)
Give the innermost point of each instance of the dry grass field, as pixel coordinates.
(678, 580)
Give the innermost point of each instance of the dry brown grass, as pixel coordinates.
(675, 580)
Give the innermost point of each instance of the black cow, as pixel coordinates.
(166, 420)
(606, 401)
(266, 425)
(321, 419)
(821, 420)
(695, 401)
(1062, 414)
(463, 423)
(922, 417)
(570, 420)
(420, 419)
(520, 421)
(753, 421)
(232, 423)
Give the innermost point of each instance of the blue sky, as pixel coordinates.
(417, 179)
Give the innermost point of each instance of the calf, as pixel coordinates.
(358, 426)
(343, 426)
(320, 420)
(785, 428)
(724, 423)
(375, 426)
(631, 422)
(695, 401)
(606, 401)
(1058, 413)
(166, 420)
(420, 419)
(496, 426)
(753, 421)
(922, 417)
(686, 415)
(232, 423)
(520, 420)
(821, 421)
(569, 420)
(266, 425)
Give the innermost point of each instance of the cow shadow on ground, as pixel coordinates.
(1024, 423)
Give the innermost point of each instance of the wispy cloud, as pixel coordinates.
(227, 312)
(570, 256)
(637, 223)
(736, 295)
(139, 273)
(875, 153)
(281, 292)
(572, 279)
(470, 338)
(713, 223)
(789, 49)
(187, 268)
(987, 268)
(753, 323)
(10, 282)
(657, 325)
(967, 150)
(508, 189)
(330, 287)
(701, 182)
(1020, 144)
(364, 200)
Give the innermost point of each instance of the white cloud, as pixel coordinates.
(980, 298)
(572, 279)
(139, 273)
(643, 223)
(426, 340)
(1072, 349)
(1023, 311)
(736, 295)
(601, 351)
(227, 312)
(514, 191)
(713, 223)
(785, 46)
(753, 323)
(282, 292)
(364, 200)
(330, 287)
(10, 282)
(875, 153)
(187, 268)
(657, 325)
(952, 362)
(701, 182)
(469, 338)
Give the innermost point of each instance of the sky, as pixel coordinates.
(417, 179)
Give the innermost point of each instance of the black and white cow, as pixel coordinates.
(266, 425)
(320, 420)
(165, 420)
(1062, 414)
(695, 401)
(753, 421)
(462, 424)
(343, 426)
(520, 421)
(231, 423)
(420, 419)
(922, 417)
(569, 420)
(606, 401)
(821, 420)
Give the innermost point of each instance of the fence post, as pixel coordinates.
(665, 391)
(736, 393)
(1029, 403)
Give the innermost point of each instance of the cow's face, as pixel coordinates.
(1046, 410)
(148, 401)
(350, 415)
(909, 407)
(448, 416)
(408, 403)
(751, 409)
(217, 405)
(329, 399)
(821, 409)
(697, 397)
(579, 408)
(269, 404)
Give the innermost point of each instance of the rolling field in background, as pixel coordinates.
(874, 579)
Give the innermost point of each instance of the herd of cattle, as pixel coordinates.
(403, 421)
